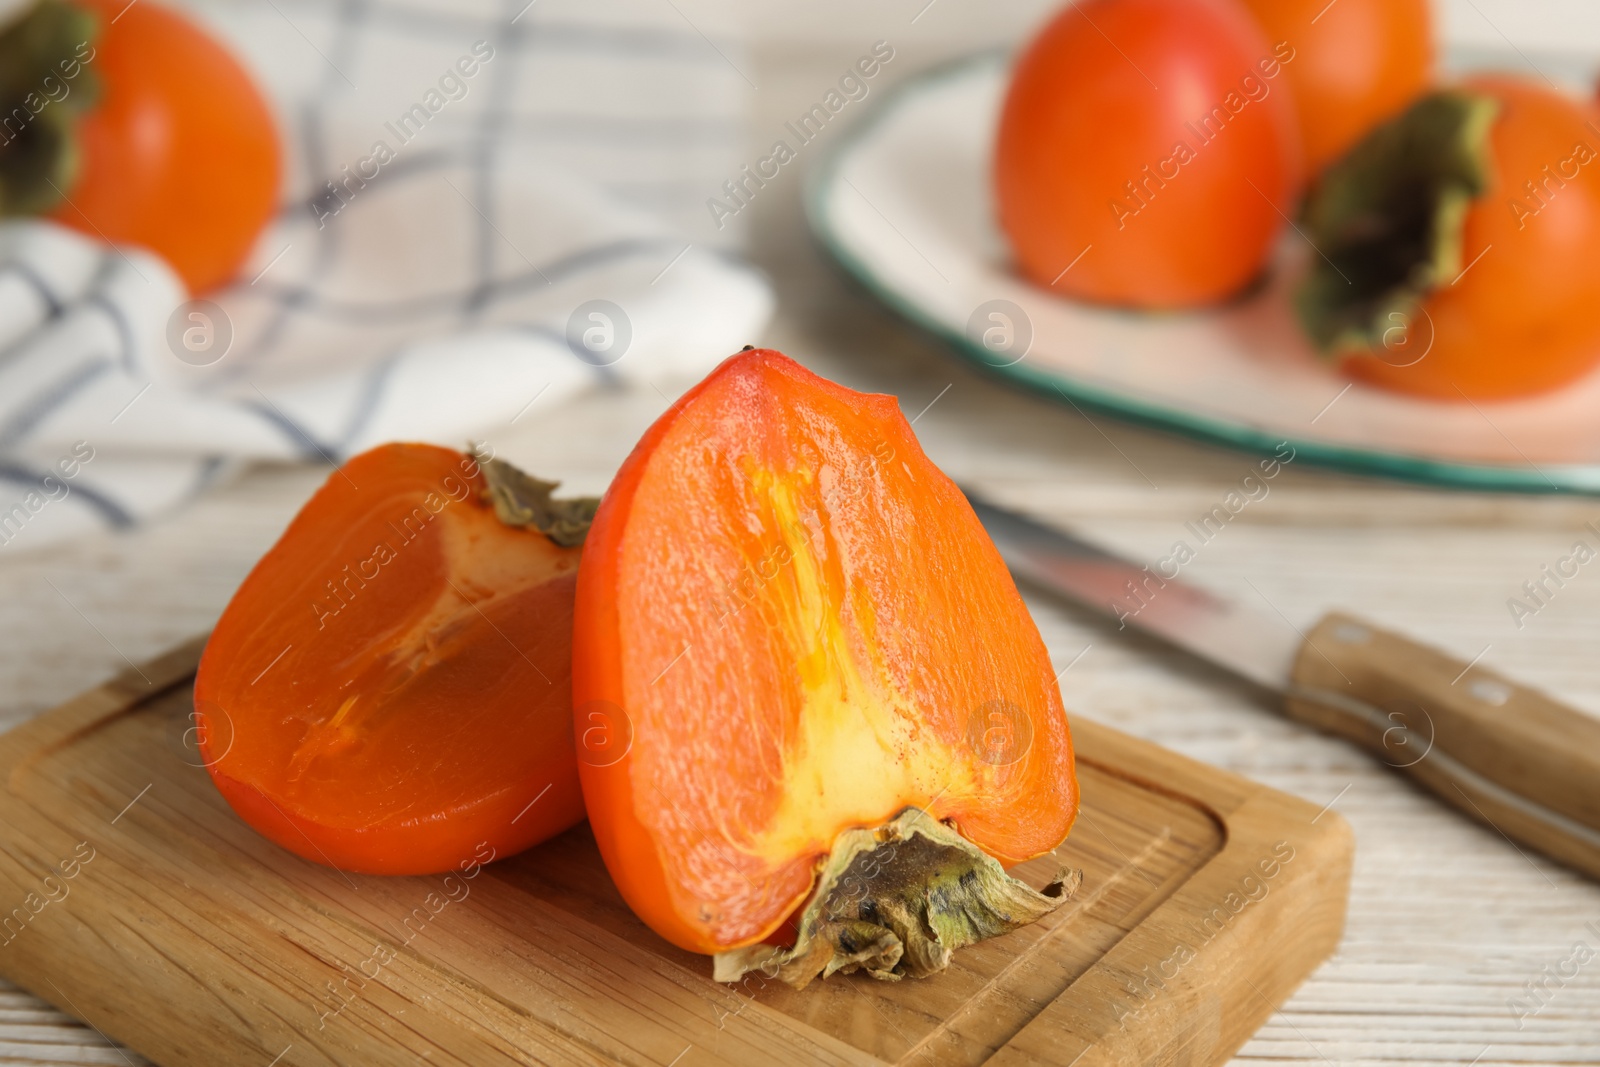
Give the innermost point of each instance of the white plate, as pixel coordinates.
(904, 203)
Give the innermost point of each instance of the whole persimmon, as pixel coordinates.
(796, 653)
(1148, 154)
(1462, 245)
(1357, 63)
(142, 129)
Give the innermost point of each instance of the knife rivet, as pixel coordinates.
(1490, 692)
(1351, 633)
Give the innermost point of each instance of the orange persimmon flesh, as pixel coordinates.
(390, 688)
(789, 624)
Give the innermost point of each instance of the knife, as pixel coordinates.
(1504, 754)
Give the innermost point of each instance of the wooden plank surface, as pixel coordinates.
(1448, 924)
(146, 906)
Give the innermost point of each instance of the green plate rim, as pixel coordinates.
(1400, 466)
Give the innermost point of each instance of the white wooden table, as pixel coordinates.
(1447, 921)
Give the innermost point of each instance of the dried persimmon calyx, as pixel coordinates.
(520, 499)
(1387, 219)
(897, 902)
(41, 158)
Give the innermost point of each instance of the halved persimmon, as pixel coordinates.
(801, 672)
(390, 687)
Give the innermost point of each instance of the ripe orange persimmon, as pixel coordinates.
(1148, 153)
(390, 689)
(1357, 63)
(790, 629)
(1463, 245)
(129, 122)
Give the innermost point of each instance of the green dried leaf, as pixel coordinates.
(37, 165)
(1387, 219)
(44, 88)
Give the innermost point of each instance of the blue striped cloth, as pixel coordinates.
(487, 206)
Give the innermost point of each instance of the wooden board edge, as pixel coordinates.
(29, 741)
(1282, 880)
(1188, 780)
(1299, 909)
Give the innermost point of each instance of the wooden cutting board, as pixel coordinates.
(132, 897)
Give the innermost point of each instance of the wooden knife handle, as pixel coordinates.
(1507, 755)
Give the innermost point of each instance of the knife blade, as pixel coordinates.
(1502, 753)
(1259, 647)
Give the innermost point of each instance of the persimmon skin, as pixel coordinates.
(1520, 321)
(180, 154)
(1360, 63)
(418, 715)
(1087, 162)
(611, 694)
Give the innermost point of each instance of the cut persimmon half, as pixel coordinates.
(389, 691)
(806, 690)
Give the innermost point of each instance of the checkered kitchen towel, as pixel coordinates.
(533, 228)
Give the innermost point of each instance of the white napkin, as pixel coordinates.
(508, 255)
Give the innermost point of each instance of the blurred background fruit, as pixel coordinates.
(1148, 154)
(1357, 63)
(190, 175)
(1481, 293)
(132, 124)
